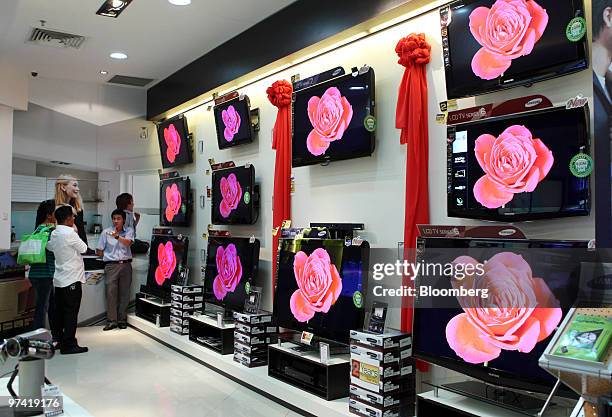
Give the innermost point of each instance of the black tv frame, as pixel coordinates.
(188, 203)
(188, 137)
(159, 292)
(221, 142)
(254, 197)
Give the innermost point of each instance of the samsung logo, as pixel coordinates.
(494, 375)
(507, 232)
(337, 71)
(603, 282)
(534, 102)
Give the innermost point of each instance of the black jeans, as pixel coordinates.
(45, 304)
(68, 303)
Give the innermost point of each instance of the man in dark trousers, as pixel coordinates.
(69, 275)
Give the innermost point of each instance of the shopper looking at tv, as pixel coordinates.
(41, 274)
(125, 202)
(68, 277)
(114, 245)
(602, 58)
(67, 192)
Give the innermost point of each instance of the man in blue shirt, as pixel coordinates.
(114, 245)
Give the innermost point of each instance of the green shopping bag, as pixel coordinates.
(32, 247)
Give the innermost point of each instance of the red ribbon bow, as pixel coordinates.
(413, 49)
(279, 93)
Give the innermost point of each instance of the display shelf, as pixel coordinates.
(206, 332)
(154, 311)
(256, 379)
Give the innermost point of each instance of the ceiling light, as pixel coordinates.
(180, 2)
(118, 55)
(113, 8)
(103, 72)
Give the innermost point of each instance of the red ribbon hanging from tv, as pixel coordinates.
(411, 117)
(279, 94)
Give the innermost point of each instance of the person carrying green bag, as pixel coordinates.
(41, 274)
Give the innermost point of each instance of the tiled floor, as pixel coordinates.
(127, 374)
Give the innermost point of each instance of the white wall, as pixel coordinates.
(6, 143)
(13, 86)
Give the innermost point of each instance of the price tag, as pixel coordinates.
(275, 231)
(306, 337)
(357, 241)
(252, 239)
(324, 351)
(286, 224)
(53, 400)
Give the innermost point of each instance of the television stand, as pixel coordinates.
(205, 331)
(153, 309)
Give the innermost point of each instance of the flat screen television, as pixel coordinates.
(499, 44)
(499, 346)
(167, 260)
(517, 167)
(233, 122)
(231, 269)
(175, 202)
(321, 287)
(174, 142)
(234, 196)
(328, 120)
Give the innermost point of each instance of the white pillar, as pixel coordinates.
(6, 165)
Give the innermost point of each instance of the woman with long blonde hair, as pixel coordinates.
(67, 192)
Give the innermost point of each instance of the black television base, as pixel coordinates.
(205, 332)
(510, 399)
(305, 370)
(153, 309)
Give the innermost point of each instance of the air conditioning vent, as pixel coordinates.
(46, 37)
(131, 81)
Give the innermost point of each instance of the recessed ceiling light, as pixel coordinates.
(103, 72)
(180, 2)
(118, 55)
(113, 8)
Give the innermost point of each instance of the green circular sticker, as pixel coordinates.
(576, 29)
(247, 197)
(247, 287)
(358, 299)
(581, 165)
(370, 123)
(183, 208)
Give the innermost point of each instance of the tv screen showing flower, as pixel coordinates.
(329, 120)
(174, 143)
(530, 285)
(167, 259)
(520, 167)
(321, 287)
(233, 199)
(175, 202)
(233, 122)
(231, 269)
(495, 44)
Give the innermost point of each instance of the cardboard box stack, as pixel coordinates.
(186, 300)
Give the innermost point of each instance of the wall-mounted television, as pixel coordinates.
(328, 120)
(167, 260)
(321, 286)
(175, 202)
(231, 269)
(233, 122)
(234, 196)
(491, 45)
(500, 346)
(517, 167)
(174, 143)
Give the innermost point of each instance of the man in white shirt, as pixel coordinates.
(67, 247)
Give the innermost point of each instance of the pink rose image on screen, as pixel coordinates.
(330, 116)
(229, 271)
(166, 260)
(525, 313)
(231, 120)
(319, 284)
(231, 193)
(173, 202)
(173, 143)
(513, 163)
(506, 31)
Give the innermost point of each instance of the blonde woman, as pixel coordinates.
(67, 192)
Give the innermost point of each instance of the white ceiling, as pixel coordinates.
(158, 37)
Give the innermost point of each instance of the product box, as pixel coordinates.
(250, 350)
(254, 340)
(256, 329)
(187, 289)
(366, 373)
(187, 298)
(180, 313)
(381, 400)
(388, 340)
(259, 318)
(186, 306)
(179, 321)
(179, 329)
(384, 356)
(367, 410)
(250, 361)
